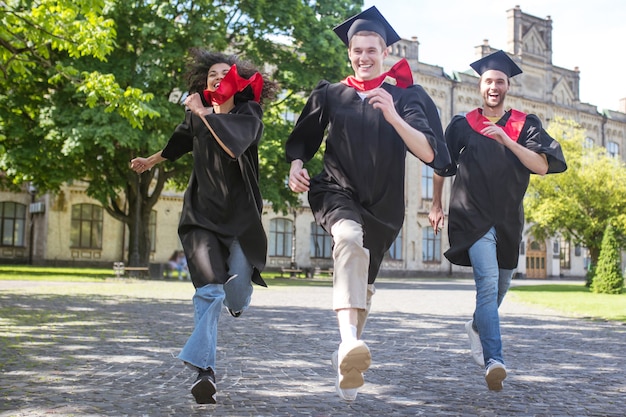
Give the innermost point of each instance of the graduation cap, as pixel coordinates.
(499, 61)
(370, 20)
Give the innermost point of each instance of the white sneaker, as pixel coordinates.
(495, 374)
(354, 358)
(475, 345)
(348, 394)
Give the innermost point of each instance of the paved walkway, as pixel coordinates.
(93, 354)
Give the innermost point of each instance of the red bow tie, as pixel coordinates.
(401, 72)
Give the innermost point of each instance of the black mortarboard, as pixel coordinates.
(497, 61)
(370, 20)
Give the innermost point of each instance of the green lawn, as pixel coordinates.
(575, 300)
(41, 273)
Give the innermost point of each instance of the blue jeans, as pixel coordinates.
(492, 284)
(201, 347)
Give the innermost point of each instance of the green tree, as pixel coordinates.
(57, 127)
(579, 203)
(609, 278)
(32, 36)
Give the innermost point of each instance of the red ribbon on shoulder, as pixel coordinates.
(401, 72)
(233, 83)
(512, 128)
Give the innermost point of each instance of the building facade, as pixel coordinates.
(70, 228)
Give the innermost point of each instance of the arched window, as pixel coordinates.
(431, 245)
(281, 232)
(12, 223)
(427, 182)
(321, 242)
(577, 250)
(395, 251)
(565, 254)
(86, 228)
(612, 149)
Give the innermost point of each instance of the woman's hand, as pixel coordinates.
(140, 165)
(194, 103)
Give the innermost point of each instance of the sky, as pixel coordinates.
(588, 34)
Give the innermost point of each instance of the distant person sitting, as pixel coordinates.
(178, 263)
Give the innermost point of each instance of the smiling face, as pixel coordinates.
(366, 53)
(215, 75)
(494, 85)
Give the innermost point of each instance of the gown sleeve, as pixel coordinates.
(437, 141)
(541, 142)
(307, 135)
(240, 129)
(181, 140)
(455, 138)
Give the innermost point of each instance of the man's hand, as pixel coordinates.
(298, 177)
(380, 98)
(537, 163)
(436, 218)
(496, 132)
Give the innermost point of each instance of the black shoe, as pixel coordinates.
(204, 388)
(235, 313)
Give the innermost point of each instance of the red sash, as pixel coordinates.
(512, 128)
(401, 72)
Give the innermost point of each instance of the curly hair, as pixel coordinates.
(200, 61)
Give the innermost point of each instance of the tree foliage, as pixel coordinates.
(89, 84)
(609, 278)
(32, 37)
(579, 203)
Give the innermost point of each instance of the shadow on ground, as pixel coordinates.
(95, 355)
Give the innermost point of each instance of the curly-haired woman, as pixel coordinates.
(220, 226)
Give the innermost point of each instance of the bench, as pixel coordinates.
(318, 272)
(291, 271)
(120, 270)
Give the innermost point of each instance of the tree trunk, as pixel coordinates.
(139, 210)
(594, 254)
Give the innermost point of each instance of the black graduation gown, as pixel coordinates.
(490, 184)
(364, 161)
(223, 194)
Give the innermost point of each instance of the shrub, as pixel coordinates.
(608, 278)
